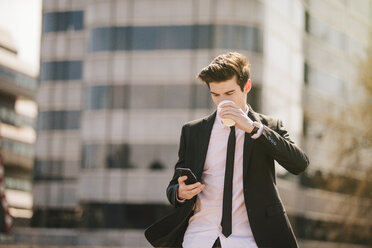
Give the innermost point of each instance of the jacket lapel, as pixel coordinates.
(204, 137)
(248, 146)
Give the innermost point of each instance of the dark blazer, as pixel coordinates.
(267, 216)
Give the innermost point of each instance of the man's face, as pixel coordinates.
(230, 90)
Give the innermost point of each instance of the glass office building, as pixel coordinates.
(118, 80)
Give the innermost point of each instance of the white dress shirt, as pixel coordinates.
(205, 225)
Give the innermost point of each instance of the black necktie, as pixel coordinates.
(227, 192)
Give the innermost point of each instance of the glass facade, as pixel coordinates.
(148, 156)
(48, 170)
(176, 37)
(9, 116)
(200, 96)
(107, 97)
(153, 156)
(106, 156)
(19, 148)
(147, 97)
(61, 70)
(23, 184)
(17, 78)
(160, 96)
(63, 21)
(59, 120)
(55, 218)
(254, 98)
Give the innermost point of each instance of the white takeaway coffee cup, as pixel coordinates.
(227, 122)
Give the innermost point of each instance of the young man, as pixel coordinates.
(235, 202)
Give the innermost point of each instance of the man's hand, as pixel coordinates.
(232, 111)
(188, 191)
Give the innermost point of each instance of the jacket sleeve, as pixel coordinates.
(283, 150)
(173, 184)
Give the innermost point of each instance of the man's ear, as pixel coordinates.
(247, 86)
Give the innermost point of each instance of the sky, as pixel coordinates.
(22, 18)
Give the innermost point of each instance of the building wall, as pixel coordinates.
(336, 37)
(17, 130)
(335, 43)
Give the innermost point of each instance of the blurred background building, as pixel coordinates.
(117, 81)
(17, 129)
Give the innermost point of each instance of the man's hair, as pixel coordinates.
(225, 67)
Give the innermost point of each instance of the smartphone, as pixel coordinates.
(191, 178)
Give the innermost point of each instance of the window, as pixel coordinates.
(98, 97)
(306, 73)
(176, 37)
(107, 97)
(58, 120)
(160, 96)
(106, 156)
(203, 36)
(93, 156)
(18, 79)
(48, 169)
(62, 21)
(254, 98)
(238, 37)
(144, 38)
(149, 156)
(201, 96)
(72, 120)
(125, 156)
(120, 97)
(17, 183)
(55, 218)
(61, 70)
(117, 156)
(307, 22)
(225, 36)
(102, 39)
(18, 148)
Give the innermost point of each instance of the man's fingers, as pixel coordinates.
(191, 192)
(181, 180)
(197, 190)
(230, 109)
(231, 115)
(192, 186)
